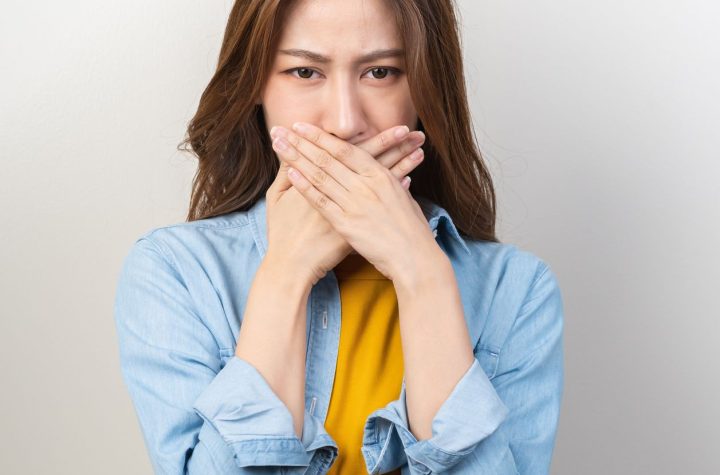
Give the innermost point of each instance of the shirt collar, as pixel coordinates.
(434, 214)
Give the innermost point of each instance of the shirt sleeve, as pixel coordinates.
(196, 414)
(500, 426)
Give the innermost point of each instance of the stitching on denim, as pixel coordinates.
(387, 441)
(172, 262)
(451, 454)
(197, 224)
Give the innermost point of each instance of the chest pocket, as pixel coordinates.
(492, 340)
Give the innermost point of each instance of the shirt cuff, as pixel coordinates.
(242, 407)
(472, 412)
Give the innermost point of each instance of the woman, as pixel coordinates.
(330, 320)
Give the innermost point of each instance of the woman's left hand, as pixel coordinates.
(359, 197)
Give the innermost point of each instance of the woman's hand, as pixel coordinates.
(299, 237)
(361, 199)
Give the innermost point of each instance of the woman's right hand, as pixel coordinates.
(300, 240)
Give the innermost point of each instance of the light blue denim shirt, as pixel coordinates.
(202, 410)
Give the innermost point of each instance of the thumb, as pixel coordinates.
(282, 181)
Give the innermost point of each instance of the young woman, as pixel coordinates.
(336, 319)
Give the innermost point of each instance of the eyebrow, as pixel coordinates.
(366, 58)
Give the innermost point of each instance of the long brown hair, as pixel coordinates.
(236, 163)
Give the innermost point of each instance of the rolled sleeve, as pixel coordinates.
(250, 417)
(197, 415)
(504, 424)
(472, 412)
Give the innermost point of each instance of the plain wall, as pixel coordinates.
(598, 120)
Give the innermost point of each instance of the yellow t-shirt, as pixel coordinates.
(370, 364)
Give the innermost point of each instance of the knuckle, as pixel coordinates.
(344, 152)
(401, 169)
(406, 148)
(321, 201)
(322, 159)
(319, 178)
(410, 163)
(384, 140)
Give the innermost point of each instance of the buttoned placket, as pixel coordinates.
(322, 344)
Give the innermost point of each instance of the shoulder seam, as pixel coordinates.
(545, 269)
(197, 224)
(167, 257)
(540, 269)
(160, 250)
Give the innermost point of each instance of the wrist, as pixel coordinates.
(288, 279)
(427, 270)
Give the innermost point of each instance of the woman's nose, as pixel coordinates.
(343, 115)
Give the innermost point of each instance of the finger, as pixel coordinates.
(408, 163)
(281, 182)
(311, 173)
(353, 157)
(412, 141)
(393, 158)
(318, 200)
(385, 140)
(321, 158)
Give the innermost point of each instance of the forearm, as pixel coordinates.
(272, 335)
(435, 340)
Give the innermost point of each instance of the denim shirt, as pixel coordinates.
(179, 305)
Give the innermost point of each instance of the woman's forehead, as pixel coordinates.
(340, 27)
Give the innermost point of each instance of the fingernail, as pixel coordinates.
(300, 127)
(280, 144)
(401, 132)
(417, 154)
(279, 131)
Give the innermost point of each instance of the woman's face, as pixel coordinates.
(323, 74)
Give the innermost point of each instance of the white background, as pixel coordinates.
(598, 119)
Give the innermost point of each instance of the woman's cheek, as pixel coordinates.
(392, 110)
(284, 107)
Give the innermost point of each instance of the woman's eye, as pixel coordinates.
(304, 73)
(382, 73)
(377, 73)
